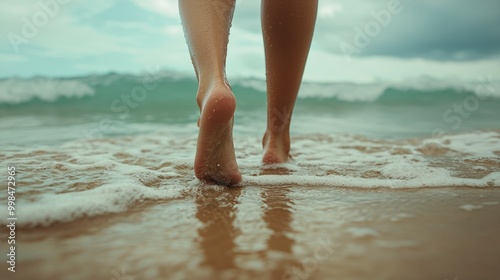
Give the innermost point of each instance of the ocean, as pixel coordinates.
(95, 147)
(141, 130)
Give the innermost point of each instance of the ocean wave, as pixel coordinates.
(372, 92)
(16, 91)
(173, 85)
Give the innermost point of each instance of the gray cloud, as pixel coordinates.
(443, 30)
(437, 30)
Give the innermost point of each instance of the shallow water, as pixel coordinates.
(104, 195)
(130, 206)
(111, 175)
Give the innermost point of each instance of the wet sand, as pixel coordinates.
(285, 232)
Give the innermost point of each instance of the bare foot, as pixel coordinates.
(276, 148)
(215, 160)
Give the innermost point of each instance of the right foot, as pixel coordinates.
(276, 148)
(215, 160)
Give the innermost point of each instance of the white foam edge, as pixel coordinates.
(105, 199)
(491, 180)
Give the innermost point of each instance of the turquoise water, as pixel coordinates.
(51, 110)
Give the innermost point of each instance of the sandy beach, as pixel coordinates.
(279, 232)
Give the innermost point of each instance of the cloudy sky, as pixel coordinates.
(355, 40)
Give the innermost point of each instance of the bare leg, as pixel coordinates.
(206, 26)
(287, 26)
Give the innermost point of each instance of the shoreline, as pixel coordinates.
(277, 232)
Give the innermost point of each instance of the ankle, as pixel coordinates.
(277, 134)
(273, 138)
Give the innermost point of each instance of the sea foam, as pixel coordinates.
(62, 183)
(15, 91)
